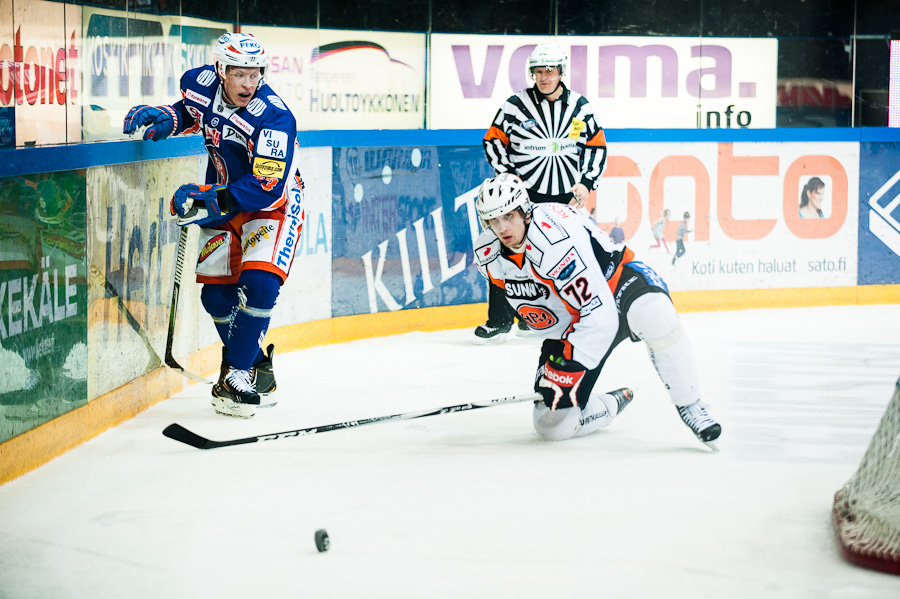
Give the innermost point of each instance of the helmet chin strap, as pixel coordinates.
(555, 89)
(521, 247)
(558, 84)
(225, 97)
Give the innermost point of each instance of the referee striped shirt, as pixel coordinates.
(550, 145)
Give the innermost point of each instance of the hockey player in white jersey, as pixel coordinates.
(550, 137)
(583, 294)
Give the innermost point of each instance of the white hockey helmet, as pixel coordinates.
(548, 55)
(239, 50)
(500, 195)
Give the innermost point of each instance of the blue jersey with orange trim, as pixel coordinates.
(561, 284)
(252, 149)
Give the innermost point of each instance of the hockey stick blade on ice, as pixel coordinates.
(170, 360)
(179, 433)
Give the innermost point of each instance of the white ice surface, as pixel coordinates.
(473, 504)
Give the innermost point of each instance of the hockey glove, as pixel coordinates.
(159, 120)
(195, 204)
(558, 382)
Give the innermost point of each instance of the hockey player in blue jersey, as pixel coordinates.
(249, 210)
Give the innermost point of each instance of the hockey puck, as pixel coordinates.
(322, 540)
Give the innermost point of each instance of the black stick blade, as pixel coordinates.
(179, 433)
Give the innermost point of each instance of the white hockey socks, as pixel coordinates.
(652, 318)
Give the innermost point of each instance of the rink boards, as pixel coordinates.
(87, 251)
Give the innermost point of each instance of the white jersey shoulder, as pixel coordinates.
(487, 248)
(560, 240)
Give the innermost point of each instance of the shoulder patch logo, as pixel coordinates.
(272, 143)
(276, 102)
(552, 230)
(206, 78)
(256, 106)
(487, 253)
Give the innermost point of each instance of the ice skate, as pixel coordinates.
(262, 375)
(485, 334)
(704, 426)
(623, 398)
(523, 330)
(234, 394)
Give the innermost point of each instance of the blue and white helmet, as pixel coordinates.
(239, 50)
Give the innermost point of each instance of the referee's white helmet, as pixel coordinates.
(548, 55)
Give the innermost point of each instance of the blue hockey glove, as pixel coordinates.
(159, 120)
(558, 382)
(195, 204)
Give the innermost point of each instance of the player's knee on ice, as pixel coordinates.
(566, 423)
(652, 318)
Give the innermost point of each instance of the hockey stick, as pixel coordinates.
(179, 433)
(171, 362)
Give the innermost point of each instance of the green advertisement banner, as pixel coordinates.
(43, 299)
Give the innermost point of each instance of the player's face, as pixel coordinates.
(510, 228)
(240, 84)
(547, 79)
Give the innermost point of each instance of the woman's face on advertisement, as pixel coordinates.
(816, 196)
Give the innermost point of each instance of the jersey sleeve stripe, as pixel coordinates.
(568, 350)
(495, 281)
(575, 312)
(627, 256)
(192, 129)
(496, 154)
(599, 139)
(495, 133)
